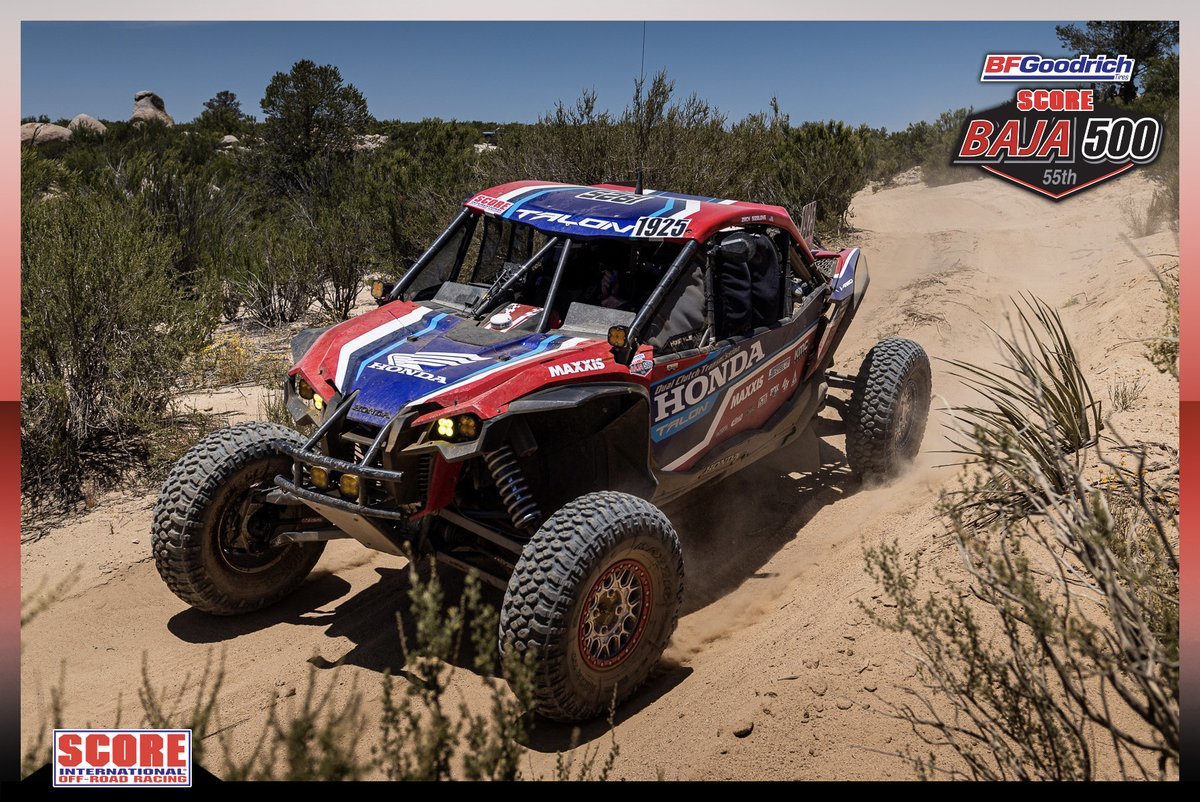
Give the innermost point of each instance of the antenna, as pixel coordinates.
(642, 71)
(641, 135)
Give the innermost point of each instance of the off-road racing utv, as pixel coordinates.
(560, 362)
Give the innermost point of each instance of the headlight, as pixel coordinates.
(456, 429)
(304, 388)
(349, 485)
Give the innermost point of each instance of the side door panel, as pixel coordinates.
(700, 400)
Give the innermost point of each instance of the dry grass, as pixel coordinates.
(1124, 394)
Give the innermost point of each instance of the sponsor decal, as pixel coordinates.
(373, 411)
(613, 196)
(658, 227)
(780, 368)
(750, 389)
(582, 366)
(1030, 67)
(122, 758)
(489, 204)
(420, 365)
(723, 462)
(641, 366)
(683, 419)
(591, 223)
(1056, 142)
(687, 389)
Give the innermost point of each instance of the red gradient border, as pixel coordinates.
(1189, 413)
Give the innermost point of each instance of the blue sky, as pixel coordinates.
(879, 73)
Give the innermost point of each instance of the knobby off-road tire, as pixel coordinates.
(205, 499)
(595, 596)
(888, 409)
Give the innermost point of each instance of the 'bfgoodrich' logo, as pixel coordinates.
(1056, 142)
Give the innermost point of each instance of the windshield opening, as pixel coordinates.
(604, 279)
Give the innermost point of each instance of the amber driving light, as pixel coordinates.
(320, 477)
(377, 289)
(617, 336)
(349, 485)
(304, 388)
(456, 429)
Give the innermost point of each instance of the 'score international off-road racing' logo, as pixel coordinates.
(122, 758)
(1056, 142)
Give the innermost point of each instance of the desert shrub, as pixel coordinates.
(423, 732)
(232, 358)
(1124, 394)
(822, 162)
(104, 329)
(426, 730)
(937, 149)
(270, 273)
(42, 177)
(1061, 661)
(687, 145)
(1163, 350)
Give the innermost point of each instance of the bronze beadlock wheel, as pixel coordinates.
(595, 598)
(615, 614)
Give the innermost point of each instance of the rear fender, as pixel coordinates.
(851, 279)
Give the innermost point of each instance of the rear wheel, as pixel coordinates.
(595, 596)
(213, 531)
(889, 408)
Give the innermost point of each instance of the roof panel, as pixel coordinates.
(609, 210)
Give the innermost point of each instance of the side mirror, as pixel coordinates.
(380, 290)
(618, 342)
(736, 248)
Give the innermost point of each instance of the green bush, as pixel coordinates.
(104, 330)
(269, 274)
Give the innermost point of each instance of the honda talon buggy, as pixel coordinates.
(561, 362)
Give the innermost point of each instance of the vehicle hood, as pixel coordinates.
(404, 354)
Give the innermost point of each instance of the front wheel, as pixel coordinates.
(213, 531)
(888, 408)
(595, 597)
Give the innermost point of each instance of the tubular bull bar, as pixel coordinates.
(354, 516)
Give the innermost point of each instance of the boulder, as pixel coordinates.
(148, 106)
(44, 133)
(369, 141)
(227, 142)
(87, 123)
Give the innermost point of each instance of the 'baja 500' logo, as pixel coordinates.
(1057, 141)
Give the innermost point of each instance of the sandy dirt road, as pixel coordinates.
(773, 631)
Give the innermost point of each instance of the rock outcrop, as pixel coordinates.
(44, 133)
(87, 122)
(148, 107)
(369, 141)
